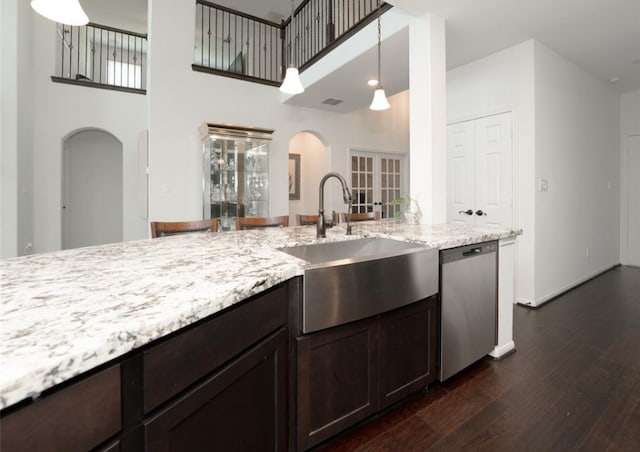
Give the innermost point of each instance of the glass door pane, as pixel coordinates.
(362, 183)
(390, 187)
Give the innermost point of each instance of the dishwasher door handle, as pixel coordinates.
(473, 251)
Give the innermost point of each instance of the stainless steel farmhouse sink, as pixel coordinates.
(355, 279)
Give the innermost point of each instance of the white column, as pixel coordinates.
(427, 98)
(506, 297)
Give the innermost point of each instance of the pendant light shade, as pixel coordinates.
(379, 98)
(67, 12)
(291, 83)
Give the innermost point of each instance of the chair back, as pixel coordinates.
(164, 228)
(261, 222)
(305, 220)
(364, 216)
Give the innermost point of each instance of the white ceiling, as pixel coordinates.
(601, 36)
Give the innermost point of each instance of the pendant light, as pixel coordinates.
(379, 98)
(67, 12)
(291, 83)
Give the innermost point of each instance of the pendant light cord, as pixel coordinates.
(379, 38)
(291, 53)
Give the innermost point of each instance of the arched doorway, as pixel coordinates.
(91, 189)
(314, 163)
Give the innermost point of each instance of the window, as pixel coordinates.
(124, 74)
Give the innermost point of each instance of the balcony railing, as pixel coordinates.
(318, 26)
(232, 43)
(102, 57)
(239, 45)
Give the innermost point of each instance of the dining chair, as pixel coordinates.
(364, 216)
(165, 228)
(261, 222)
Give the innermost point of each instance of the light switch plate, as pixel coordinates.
(543, 185)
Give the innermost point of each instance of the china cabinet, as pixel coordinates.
(236, 172)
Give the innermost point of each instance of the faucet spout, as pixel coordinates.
(346, 196)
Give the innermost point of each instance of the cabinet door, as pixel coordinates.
(408, 348)
(337, 380)
(241, 408)
(77, 418)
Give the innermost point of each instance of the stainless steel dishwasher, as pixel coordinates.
(469, 292)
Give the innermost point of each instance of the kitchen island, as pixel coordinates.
(68, 312)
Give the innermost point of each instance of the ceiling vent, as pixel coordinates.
(332, 101)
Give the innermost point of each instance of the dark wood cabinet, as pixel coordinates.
(78, 417)
(177, 362)
(240, 408)
(348, 373)
(219, 384)
(408, 349)
(337, 380)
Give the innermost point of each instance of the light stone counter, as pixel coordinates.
(66, 312)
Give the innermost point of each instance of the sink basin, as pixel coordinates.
(356, 279)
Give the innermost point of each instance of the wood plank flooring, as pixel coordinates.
(573, 384)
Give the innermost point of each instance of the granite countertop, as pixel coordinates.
(66, 312)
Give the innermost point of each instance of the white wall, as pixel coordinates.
(565, 130)
(577, 150)
(8, 128)
(503, 82)
(629, 125)
(16, 227)
(181, 99)
(58, 111)
(314, 163)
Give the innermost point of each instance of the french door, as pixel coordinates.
(376, 181)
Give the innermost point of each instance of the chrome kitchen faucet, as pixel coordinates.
(346, 196)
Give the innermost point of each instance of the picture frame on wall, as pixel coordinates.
(294, 177)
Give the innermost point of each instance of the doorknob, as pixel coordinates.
(481, 213)
(466, 212)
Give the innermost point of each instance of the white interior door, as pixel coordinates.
(633, 201)
(461, 172)
(480, 172)
(92, 189)
(494, 171)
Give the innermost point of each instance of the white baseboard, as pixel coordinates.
(542, 300)
(502, 350)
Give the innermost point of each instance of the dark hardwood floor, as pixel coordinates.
(573, 384)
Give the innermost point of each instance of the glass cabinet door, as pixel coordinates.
(236, 173)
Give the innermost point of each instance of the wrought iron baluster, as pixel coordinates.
(70, 51)
(93, 55)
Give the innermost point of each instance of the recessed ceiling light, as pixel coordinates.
(372, 82)
(615, 79)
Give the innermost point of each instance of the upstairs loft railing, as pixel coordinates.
(101, 57)
(236, 44)
(318, 26)
(239, 45)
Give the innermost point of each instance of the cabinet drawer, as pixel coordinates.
(176, 363)
(77, 418)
